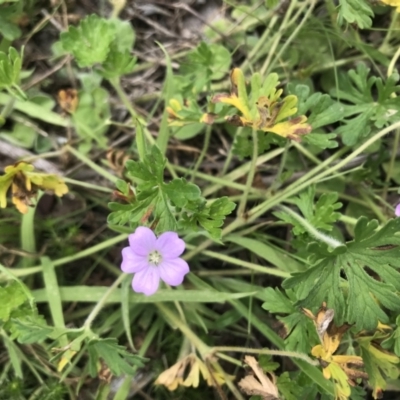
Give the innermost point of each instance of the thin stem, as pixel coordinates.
(289, 40)
(276, 183)
(89, 320)
(306, 177)
(241, 171)
(202, 348)
(229, 359)
(206, 144)
(49, 154)
(250, 177)
(392, 27)
(260, 43)
(393, 62)
(221, 181)
(291, 354)
(101, 171)
(125, 100)
(229, 156)
(397, 134)
(242, 263)
(392, 162)
(306, 153)
(330, 241)
(238, 222)
(290, 191)
(27, 233)
(278, 36)
(6, 111)
(18, 272)
(87, 185)
(116, 84)
(365, 195)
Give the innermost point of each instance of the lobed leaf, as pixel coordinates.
(90, 42)
(358, 280)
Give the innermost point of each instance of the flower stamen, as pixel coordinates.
(155, 258)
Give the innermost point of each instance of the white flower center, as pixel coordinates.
(154, 258)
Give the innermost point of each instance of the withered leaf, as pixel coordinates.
(262, 386)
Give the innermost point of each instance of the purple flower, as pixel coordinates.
(151, 259)
(397, 210)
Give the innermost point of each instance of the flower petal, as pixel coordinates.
(173, 271)
(146, 281)
(143, 241)
(4, 186)
(169, 245)
(397, 210)
(131, 262)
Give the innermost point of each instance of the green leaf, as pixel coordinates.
(372, 103)
(395, 338)
(34, 110)
(10, 69)
(11, 297)
(119, 60)
(355, 11)
(118, 64)
(324, 111)
(379, 364)
(91, 118)
(277, 302)
(205, 63)
(90, 42)
(29, 328)
(359, 280)
(148, 172)
(21, 135)
(271, 254)
(299, 328)
(124, 35)
(210, 217)
(117, 358)
(161, 202)
(266, 363)
(221, 207)
(188, 131)
(271, 3)
(9, 30)
(322, 140)
(320, 214)
(180, 192)
(289, 388)
(122, 186)
(243, 145)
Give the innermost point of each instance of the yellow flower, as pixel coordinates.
(25, 182)
(182, 113)
(266, 112)
(393, 3)
(175, 375)
(336, 367)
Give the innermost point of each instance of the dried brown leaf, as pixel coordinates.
(262, 386)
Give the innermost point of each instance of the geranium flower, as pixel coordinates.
(397, 210)
(151, 259)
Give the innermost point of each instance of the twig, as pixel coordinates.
(17, 153)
